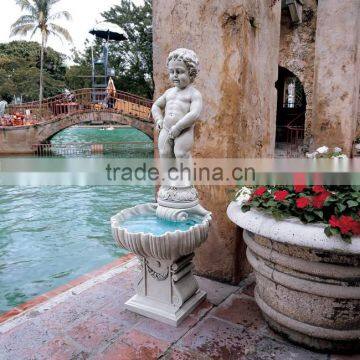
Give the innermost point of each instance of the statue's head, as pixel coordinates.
(183, 67)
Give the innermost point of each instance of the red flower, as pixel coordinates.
(280, 195)
(299, 188)
(334, 221)
(319, 200)
(318, 189)
(302, 202)
(260, 191)
(346, 224)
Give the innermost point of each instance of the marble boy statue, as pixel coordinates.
(175, 114)
(167, 290)
(176, 111)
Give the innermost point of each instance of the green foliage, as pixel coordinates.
(77, 77)
(132, 59)
(20, 71)
(136, 52)
(336, 206)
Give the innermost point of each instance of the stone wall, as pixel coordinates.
(297, 53)
(336, 85)
(358, 115)
(237, 42)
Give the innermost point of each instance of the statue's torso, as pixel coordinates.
(177, 105)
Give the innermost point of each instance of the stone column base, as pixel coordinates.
(162, 312)
(167, 290)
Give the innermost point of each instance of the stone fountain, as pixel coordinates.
(165, 234)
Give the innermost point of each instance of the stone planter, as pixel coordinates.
(307, 285)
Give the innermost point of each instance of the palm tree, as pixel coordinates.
(39, 17)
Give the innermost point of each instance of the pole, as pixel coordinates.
(93, 74)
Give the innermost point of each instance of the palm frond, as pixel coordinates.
(60, 14)
(26, 5)
(54, 28)
(52, 2)
(22, 30)
(24, 20)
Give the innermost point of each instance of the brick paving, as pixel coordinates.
(87, 320)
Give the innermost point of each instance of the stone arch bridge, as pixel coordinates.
(82, 106)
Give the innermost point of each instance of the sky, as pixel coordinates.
(85, 14)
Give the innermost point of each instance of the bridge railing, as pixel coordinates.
(83, 100)
(87, 149)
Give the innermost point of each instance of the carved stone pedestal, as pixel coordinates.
(167, 291)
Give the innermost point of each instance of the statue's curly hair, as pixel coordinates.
(190, 59)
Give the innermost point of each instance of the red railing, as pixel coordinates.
(82, 100)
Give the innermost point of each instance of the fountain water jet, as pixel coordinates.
(164, 235)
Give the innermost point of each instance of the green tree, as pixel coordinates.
(20, 70)
(39, 17)
(132, 58)
(78, 75)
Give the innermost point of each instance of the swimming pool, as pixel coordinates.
(51, 235)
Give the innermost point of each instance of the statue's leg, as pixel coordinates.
(184, 143)
(182, 149)
(165, 144)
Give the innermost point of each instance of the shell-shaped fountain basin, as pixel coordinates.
(138, 230)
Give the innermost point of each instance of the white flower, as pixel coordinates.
(312, 155)
(337, 150)
(243, 195)
(322, 150)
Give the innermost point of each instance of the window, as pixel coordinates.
(293, 93)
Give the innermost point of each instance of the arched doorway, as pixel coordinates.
(290, 115)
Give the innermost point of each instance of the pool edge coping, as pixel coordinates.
(40, 299)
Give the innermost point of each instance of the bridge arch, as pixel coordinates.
(65, 110)
(51, 128)
(21, 139)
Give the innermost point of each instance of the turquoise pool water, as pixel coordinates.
(99, 135)
(51, 235)
(157, 226)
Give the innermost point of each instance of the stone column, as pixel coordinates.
(336, 85)
(237, 42)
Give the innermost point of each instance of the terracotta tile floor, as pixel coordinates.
(89, 321)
